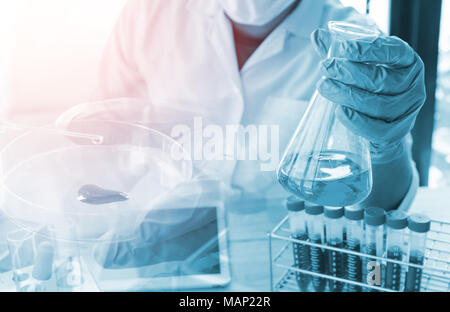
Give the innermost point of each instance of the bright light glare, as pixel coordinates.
(7, 28)
(444, 41)
(50, 51)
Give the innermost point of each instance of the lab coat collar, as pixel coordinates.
(273, 45)
(305, 18)
(208, 8)
(302, 22)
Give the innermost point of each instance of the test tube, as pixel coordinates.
(22, 248)
(43, 267)
(374, 219)
(68, 267)
(355, 234)
(418, 226)
(396, 222)
(297, 223)
(315, 225)
(334, 229)
(32, 261)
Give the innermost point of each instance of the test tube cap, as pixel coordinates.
(293, 203)
(397, 220)
(354, 213)
(334, 212)
(419, 223)
(313, 209)
(374, 216)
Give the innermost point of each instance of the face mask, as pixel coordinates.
(254, 12)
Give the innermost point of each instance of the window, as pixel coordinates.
(440, 161)
(379, 10)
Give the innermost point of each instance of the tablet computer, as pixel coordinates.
(201, 261)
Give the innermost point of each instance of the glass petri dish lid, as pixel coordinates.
(106, 187)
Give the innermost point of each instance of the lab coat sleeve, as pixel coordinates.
(118, 74)
(411, 194)
(413, 187)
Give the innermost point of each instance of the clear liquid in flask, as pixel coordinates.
(338, 179)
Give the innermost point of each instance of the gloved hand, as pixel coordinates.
(175, 228)
(378, 85)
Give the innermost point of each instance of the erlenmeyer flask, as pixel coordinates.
(325, 163)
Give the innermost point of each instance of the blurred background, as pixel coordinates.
(50, 50)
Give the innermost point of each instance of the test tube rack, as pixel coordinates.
(435, 268)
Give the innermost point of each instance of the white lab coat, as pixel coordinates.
(182, 52)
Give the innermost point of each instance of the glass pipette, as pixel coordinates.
(94, 138)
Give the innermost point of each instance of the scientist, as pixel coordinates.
(258, 54)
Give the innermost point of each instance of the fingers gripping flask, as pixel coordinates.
(325, 163)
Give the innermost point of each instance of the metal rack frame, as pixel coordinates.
(435, 270)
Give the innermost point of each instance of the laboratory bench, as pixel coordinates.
(248, 227)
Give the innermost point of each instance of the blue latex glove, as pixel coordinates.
(378, 85)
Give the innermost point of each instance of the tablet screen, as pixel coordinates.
(180, 248)
(189, 243)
